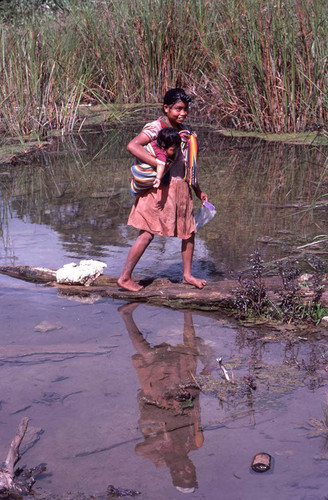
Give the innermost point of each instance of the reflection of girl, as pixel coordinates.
(170, 431)
(167, 211)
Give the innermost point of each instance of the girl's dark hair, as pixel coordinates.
(168, 137)
(174, 95)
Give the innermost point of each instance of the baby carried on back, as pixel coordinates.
(164, 149)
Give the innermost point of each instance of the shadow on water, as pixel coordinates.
(132, 395)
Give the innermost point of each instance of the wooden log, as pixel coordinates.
(13, 454)
(28, 273)
(215, 296)
(161, 292)
(14, 484)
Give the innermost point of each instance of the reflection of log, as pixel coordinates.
(215, 296)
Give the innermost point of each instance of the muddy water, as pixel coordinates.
(112, 390)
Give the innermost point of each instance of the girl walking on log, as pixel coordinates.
(167, 210)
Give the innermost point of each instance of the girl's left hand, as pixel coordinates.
(203, 197)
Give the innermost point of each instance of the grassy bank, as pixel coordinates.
(250, 64)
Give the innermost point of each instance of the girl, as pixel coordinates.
(168, 210)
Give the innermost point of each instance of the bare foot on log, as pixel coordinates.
(129, 284)
(191, 280)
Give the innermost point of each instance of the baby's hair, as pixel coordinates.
(168, 137)
(175, 95)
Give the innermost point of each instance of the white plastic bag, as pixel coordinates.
(204, 214)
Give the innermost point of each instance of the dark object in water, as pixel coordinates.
(113, 492)
(261, 462)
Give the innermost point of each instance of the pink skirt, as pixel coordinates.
(167, 211)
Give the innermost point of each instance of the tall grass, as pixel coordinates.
(275, 65)
(251, 64)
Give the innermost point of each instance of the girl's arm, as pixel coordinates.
(199, 193)
(136, 148)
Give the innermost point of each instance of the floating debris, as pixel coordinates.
(113, 492)
(261, 462)
(225, 372)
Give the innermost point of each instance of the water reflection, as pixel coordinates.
(170, 419)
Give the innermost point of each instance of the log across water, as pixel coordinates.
(217, 295)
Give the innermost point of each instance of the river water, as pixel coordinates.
(91, 375)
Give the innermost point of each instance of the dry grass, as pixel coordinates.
(250, 64)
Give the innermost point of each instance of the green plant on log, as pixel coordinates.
(317, 312)
(250, 297)
(293, 307)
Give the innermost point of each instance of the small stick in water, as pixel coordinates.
(225, 373)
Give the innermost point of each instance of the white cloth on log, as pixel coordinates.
(84, 273)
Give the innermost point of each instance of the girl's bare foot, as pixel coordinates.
(129, 284)
(191, 280)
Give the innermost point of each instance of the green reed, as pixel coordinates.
(251, 64)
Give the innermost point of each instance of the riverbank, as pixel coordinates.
(20, 150)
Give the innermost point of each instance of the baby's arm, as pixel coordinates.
(159, 173)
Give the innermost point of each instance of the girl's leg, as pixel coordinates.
(136, 251)
(187, 250)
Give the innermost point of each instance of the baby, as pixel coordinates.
(164, 148)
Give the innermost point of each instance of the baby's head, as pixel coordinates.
(169, 139)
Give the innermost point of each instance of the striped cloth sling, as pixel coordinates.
(143, 175)
(189, 148)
